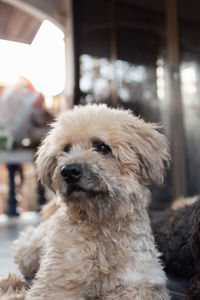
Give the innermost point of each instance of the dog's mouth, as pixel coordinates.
(75, 189)
(78, 190)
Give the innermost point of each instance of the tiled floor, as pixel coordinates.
(9, 231)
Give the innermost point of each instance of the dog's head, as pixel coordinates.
(100, 159)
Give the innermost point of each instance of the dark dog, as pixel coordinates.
(177, 234)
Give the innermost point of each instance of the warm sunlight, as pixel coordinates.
(42, 62)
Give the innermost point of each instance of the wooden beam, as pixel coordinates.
(176, 112)
(72, 90)
(113, 50)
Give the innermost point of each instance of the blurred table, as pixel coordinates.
(16, 156)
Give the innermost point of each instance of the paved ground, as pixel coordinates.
(9, 231)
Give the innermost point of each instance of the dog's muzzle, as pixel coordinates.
(72, 173)
(81, 179)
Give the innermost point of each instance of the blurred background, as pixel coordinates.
(138, 54)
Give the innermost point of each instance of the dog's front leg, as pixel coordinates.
(52, 294)
(49, 290)
(27, 249)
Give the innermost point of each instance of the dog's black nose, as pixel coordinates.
(71, 173)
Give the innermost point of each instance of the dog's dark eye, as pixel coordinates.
(101, 147)
(67, 148)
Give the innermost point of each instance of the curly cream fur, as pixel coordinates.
(98, 244)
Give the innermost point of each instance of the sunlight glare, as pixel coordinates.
(42, 62)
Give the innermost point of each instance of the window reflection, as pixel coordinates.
(189, 82)
(136, 85)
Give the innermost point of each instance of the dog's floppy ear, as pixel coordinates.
(45, 163)
(151, 148)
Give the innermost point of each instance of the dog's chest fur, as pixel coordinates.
(91, 257)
